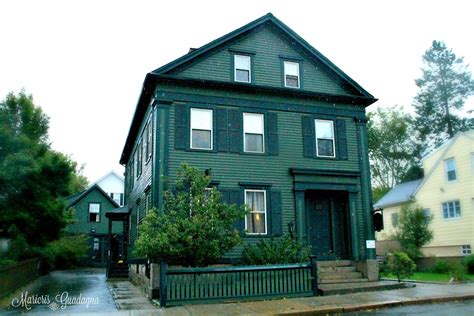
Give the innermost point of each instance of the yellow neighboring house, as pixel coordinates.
(446, 193)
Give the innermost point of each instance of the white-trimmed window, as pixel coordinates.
(256, 220)
(427, 213)
(394, 220)
(94, 212)
(201, 129)
(325, 138)
(149, 139)
(254, 133)
(292, 74)
(96, 246)
(242, 71)
(466, 250)
(451, 209)
(472, 162)
(450, 168)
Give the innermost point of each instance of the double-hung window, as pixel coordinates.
(94, 212)
(254, 132)
(450, 167)
(292, 74)
(242, 71)
(395, 220)
(451, 209)
(256, 220)
(201, 129)
(325, 138)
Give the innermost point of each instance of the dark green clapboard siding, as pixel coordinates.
(230, 169)
(268, 46)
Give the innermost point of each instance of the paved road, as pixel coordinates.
(455, 308)
(62, 292)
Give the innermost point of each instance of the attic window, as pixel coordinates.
(241, 68)
(94, 212)
(292, 74)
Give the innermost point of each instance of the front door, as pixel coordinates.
(327, 224)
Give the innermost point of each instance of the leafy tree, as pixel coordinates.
(34, 179)
(194, 228)
(392, 152)
(444, 86)
(400, 264)
(413, 230)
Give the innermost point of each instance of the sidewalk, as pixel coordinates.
(421, 294)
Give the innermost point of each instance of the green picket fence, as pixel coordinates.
(225, 284)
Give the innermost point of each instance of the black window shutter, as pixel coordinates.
(181, 127)
(275, 204)
(341, 139)
(308, 137)
(272, 122)
(222, 139)
(235, 131)
(235, 197)
(224, 196)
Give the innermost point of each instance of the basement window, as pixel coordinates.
(466, 250)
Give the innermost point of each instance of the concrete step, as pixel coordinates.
(346, 288)
(340, 275)
(332, 281)
(337, 269)
(335, 263)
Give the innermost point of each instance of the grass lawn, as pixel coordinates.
(428, 276)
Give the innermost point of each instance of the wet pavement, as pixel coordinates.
(454, 308)
(60, 292)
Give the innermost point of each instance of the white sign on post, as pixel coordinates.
(370, 244)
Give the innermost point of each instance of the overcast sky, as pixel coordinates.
(85, 61)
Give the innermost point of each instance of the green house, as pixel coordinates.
(90, 207)
(276, 124)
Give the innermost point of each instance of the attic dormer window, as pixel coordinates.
(292, 74)
(242, 68)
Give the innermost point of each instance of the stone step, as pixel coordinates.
(337, 269)
(340, 275)
(335, 263)
(331, 281)
(346, 288)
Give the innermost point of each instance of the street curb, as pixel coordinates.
(346, 308)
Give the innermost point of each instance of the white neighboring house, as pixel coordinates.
(113, 184)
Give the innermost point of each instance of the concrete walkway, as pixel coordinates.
(421, 294)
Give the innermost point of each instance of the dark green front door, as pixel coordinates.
(327, 224)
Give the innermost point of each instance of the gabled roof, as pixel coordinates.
(271, 19)
(75, 198)
(113, 173)
(358, 94)
(400, 194)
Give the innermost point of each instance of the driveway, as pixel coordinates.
(60, 292)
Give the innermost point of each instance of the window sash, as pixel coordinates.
(256, 215)
(254, 125)
(242, 66)
(201, 121)
(451, 209)
(466, 250)
(292, 74)
(395, 220)
(324, 136)
(450, 167)
(94, 208)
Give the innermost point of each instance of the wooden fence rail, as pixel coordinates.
(203, 285)
(18, 274)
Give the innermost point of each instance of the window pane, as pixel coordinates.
(324, 129)
(94, 208)
(292, 81)
(325, 147)
(201, 119)
(201, 139)
(254, 142)
(256, 223)
(253, 123)
(242, 62)
(242, 75)
(451, 175)
(291, 68)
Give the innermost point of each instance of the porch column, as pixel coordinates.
(108, 250)
(354, 227)
(300, 214)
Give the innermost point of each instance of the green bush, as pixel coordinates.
(441, 266)
(270, 251)
(66, 252)
(457, 271)
(469, 263)
(400, 264)
(5, 262)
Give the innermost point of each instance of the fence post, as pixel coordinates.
(314, 275)
(163, 283)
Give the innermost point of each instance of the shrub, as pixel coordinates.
(270, 251)
(5, 262)
(457, 271)
(441, 266)
(194, 228)
(400, 264)
(66, 252)
(469, 263)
